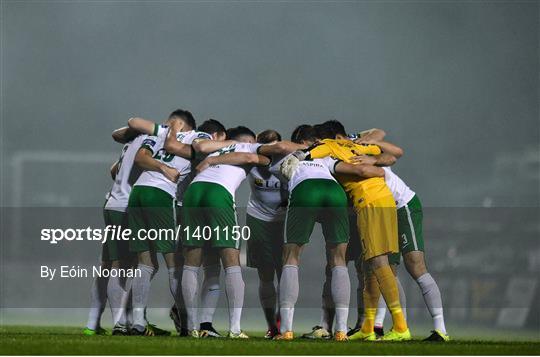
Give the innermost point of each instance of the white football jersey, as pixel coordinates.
(267, 195)
(156, 179)
(187, 137)
(308, 169)
(401, 192)
(228, 176)
(127, 173)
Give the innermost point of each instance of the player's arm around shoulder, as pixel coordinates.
(234, 158)
(207, 146)
(135, 127)
(361, 170)
(173, 146)
(280, 148)
(145, 161)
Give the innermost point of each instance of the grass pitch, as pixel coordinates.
(24, 340)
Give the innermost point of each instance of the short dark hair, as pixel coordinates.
(212, 126)
(335, 127)
(233, 133)
(324, 131)
(303, 132)
(185, 115)
(268, 136)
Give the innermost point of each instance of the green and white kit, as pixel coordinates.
(315, 196)
(152, 203)
(266, 209)
(410, 216)
(209, 212)
(114, 210)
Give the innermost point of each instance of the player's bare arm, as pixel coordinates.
(173, 146)
(361, 170)
(280, 148)
(144, 160)
(135, 127)
(385, 146)
(234, 158)
(207, 146)
(114, 170)
(373, 134)
(383, 159)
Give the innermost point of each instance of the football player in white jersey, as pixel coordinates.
(209, 218)
(115, 254)
(151, 213)
(194, 146)
(265, 217)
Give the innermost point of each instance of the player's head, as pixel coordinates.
(242, 134)
(324, 131)
(336, 128)
(268, 136)
(214, 128)
(304, 134)
(185, 116)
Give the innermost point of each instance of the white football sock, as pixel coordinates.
(190, 289)
(115, 293)
(141, 291)
(234, 288)
(175, 274)
(288, 295)
(341, 294)
(433, 300)
(210, 292)
(98, 300)
(123, 315)
(268, 298)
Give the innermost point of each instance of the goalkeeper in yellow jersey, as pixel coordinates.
(377, 225)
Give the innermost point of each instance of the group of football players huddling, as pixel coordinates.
(179, 175)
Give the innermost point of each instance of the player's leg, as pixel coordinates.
(335, 224)
(288, 289)
(156, 209)
(340, 289)
(410, 223)
(118, 288)
(358, 264)
(162, 219)
(234, 289)
(193, 216)
(98, 292)
(263, 255)
(304, 203)
(210, 292)
(98, 300)
(224, 235)
(377, 221)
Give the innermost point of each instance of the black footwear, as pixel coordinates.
(353, 331)
(437, 336)
(138, 330)
(120, 330)
(379, 331)
(206, 330)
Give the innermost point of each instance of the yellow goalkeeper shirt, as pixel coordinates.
(362, 191)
